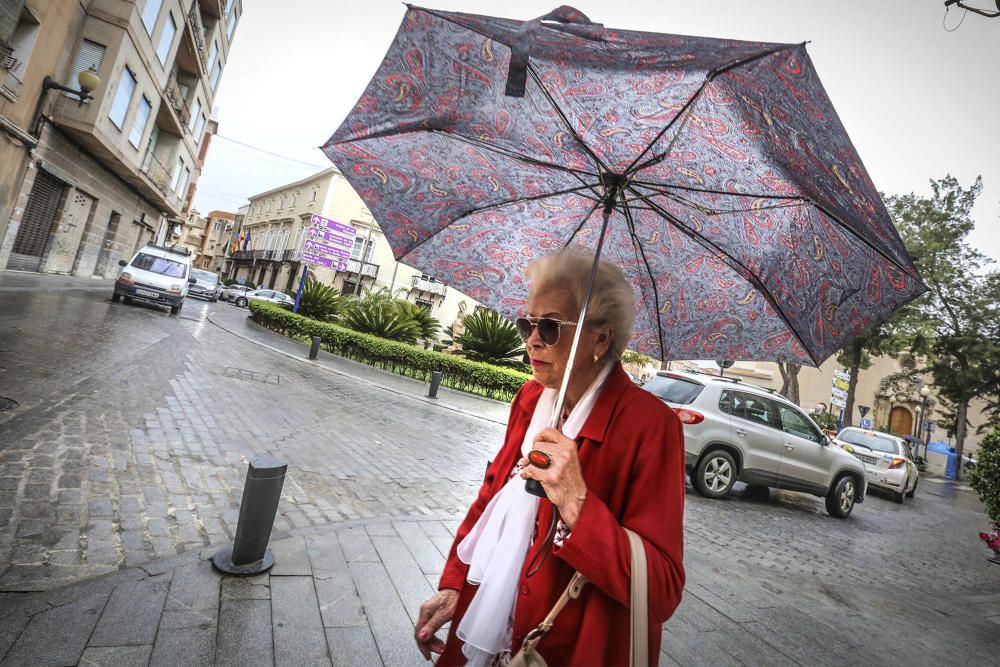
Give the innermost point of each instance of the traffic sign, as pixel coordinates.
(333, 225)
(865, 423)
(841, 384)
(842, 375)
(839, 402)
(839, 393)
(320, 234)
(319, 260)
(319, 248)
(863, 409)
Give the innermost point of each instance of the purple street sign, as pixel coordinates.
(320, 221)
(318, 260)
(324, 249)
(330, 237)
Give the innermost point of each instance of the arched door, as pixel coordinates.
(900, 421)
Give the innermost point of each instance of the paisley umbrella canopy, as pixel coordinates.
(734, 199)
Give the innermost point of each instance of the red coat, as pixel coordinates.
(632, 454)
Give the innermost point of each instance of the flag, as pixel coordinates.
(246, 241)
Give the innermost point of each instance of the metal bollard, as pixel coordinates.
(314, 350)
(435, 383)
(249, 553)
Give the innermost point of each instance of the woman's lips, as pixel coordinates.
(538, 363)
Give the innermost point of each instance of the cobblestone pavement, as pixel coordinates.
(129, 448)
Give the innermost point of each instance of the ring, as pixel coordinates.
(539, 459)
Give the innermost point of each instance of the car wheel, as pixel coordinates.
(913, 491)
(127, 299)
(241, 302)
(715, 474)
(116, 297)
(174, 310)
(840, 500)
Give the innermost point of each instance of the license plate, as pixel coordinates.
(871, 460)
(149, 293)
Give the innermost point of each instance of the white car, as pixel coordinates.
(270, 295)
(235, 291)
(888, 462)
(156, 274)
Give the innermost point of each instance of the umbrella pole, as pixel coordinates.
(533, 486)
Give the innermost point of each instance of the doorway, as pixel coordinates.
(38, 222)
(900, 421)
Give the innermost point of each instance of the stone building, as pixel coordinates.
(276, 221)
(85, 182)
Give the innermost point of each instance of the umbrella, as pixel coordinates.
(715, 172)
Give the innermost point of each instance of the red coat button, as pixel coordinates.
(524, 589)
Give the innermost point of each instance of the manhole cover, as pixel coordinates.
(7, 404)
(251, 376)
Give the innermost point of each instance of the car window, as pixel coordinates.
(207, 276)
(753, 408)
(869, 439)
(673, 389)
(726, 401)
(794, 422)
(161, 265)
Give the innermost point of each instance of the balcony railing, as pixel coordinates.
(242, 254)
(364, 268)
(157, 173)
(176, 99)
(198, 30)
(428, 286)
(291, 256)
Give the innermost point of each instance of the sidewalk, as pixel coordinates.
(25, 281)
(236, 321)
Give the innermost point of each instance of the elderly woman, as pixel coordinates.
(617, 461)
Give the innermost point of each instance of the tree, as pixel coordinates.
(963, 302)
(379, 314)
(429, 325)
(492, 338)
(319, 301)
(886, 338)
(985, 477)
(790, 381)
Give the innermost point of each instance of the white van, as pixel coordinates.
(157, 274)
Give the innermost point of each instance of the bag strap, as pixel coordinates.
(572, 592)
(638, 607)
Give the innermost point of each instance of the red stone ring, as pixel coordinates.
(539, 459)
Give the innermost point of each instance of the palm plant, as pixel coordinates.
(319, 301)
(491, 338)
(429, 325)
(379, 314)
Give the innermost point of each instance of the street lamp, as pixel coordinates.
(88, 80)
(925, 392)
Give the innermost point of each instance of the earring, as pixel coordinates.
(596, 358)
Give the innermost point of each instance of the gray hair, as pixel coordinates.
(612, 300)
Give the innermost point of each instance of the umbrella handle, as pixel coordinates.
(574, 21)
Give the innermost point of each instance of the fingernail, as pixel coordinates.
(423, 635)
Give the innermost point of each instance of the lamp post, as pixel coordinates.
(88, 81)
(925, 392)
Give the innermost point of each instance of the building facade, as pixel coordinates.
(91, 181)
(218, 233)
(276, 223)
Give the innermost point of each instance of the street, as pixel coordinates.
(122, 467)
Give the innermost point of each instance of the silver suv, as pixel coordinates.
(735, 431)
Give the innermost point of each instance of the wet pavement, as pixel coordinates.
(122, 466)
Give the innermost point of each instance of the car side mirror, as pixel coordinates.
(919, 460)
(191, 281)
(122, 262)
(825, 441)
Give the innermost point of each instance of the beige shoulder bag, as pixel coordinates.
(639, 651)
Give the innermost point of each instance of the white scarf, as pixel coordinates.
(496, 546)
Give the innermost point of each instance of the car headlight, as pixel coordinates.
(125, 278)
(175, 289)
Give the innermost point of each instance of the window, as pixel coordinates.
(21, 28)
(281, 203)
(123, 97)
(161, 265)
(229, 6)
(756, 409)
(295, 199)
(217, 225)
(175, 178)
(199, 127)
(214, 52)
(673, 389)
(216, 73)
(230, 25)
(91, 54)
(139, 124)
(166, 39)
(349, 287)
(794, 422)
(195, 112)
(149, 14)
(362, 249)
(869, 440)
(314, 193)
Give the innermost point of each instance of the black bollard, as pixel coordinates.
(314, 350)
(249, 553)
(435, 383)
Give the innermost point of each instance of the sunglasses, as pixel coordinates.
(548, 328)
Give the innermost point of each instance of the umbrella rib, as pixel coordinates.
(688, 188)
(649, 271)
(709, 77)
(735, 265)
(569, 126)
(582, 223)
(797, 201)
(511, 154)
(508, 202)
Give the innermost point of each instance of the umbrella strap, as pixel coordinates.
(574, 21)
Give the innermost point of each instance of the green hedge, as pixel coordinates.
(456, 372)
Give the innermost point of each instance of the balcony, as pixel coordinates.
(173, 95)
(157, 173)
(241, 254)
(197, 31)
(291, 256)
(366, 269)
(428, 286)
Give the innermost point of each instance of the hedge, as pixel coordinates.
(456, 372)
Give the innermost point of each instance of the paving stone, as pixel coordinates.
(57, 637)
(350, 647)
(116, 656)
(420, 546)
(290, 557)
(339, 603)
(298, 630)
(388, 619)
(244, 635)
(246, 588)
(132, 614)
(404, 572)
(185, 647)
(196, 587)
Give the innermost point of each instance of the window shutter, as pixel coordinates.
(90, 54)
(10, 14)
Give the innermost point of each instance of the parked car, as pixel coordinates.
(235, 290)
(272, 296)
(207, 285)
(887, 458)
(156, 274)
(739, 432)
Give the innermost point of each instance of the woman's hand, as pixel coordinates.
(434, 613)
(563, 480)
